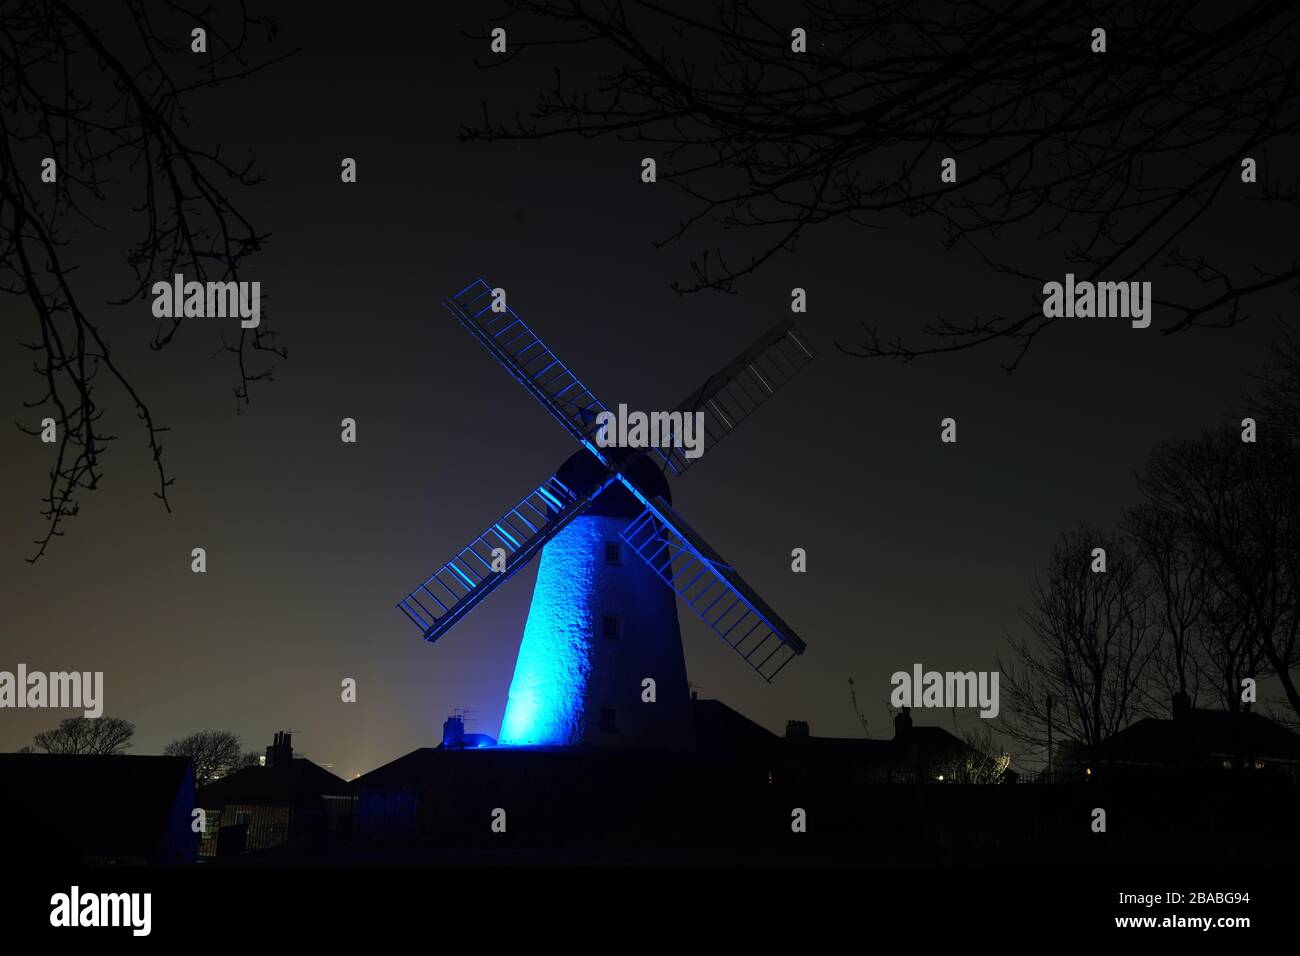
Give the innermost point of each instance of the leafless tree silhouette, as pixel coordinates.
(214, 754)
(1177, 565)
(1240, 503)
(1112, 160)
(86, 735)
(1277, 398)
(983, 760)
(1089, 646)
(111, 113)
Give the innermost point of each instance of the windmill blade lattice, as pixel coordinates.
(458, 586)
(529, 360)
(735, 391)
(712, 589)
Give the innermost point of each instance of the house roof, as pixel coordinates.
(721, 729)
(1203, 733)
(49, 796)
(283, 785)
(923, 742)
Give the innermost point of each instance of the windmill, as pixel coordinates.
(600, 626)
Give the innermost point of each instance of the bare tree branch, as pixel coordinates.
(1108, 160)
(112, 114)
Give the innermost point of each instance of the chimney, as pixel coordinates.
(453, 732)
(796, 730)
(280, 753)
(1182, 705)
(902, 724)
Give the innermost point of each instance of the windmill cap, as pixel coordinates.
(582, 473)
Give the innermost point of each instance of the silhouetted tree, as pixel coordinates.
(214, 753)
(1109, 160)
(983, 761)
(1241, 503)
(102, 89)
(1176, 565)
(85, 735)
(1088, 648)
(1277, 399)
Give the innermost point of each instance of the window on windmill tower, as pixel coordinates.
(608, 720)
(613, 553)
(609, 627)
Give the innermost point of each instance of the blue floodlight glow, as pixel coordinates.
(577, 680)
(545, 706)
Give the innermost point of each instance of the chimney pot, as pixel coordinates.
(453, 732)
(902, 724)
(280, 753)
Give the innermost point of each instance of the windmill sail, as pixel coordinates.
(712, 589)
(528, 359)
(731, 394)
(675, 552)
(458, 586)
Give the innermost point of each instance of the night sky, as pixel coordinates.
(917, 551)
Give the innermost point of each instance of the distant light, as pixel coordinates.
(940, 778)
(1088, 771)
(261, 760)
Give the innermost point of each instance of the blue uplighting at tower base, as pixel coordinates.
(597, 627)
(546, 695)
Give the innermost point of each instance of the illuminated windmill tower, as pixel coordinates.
(601, 621)
(615, 556)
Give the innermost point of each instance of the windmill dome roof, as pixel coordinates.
(582, 473)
